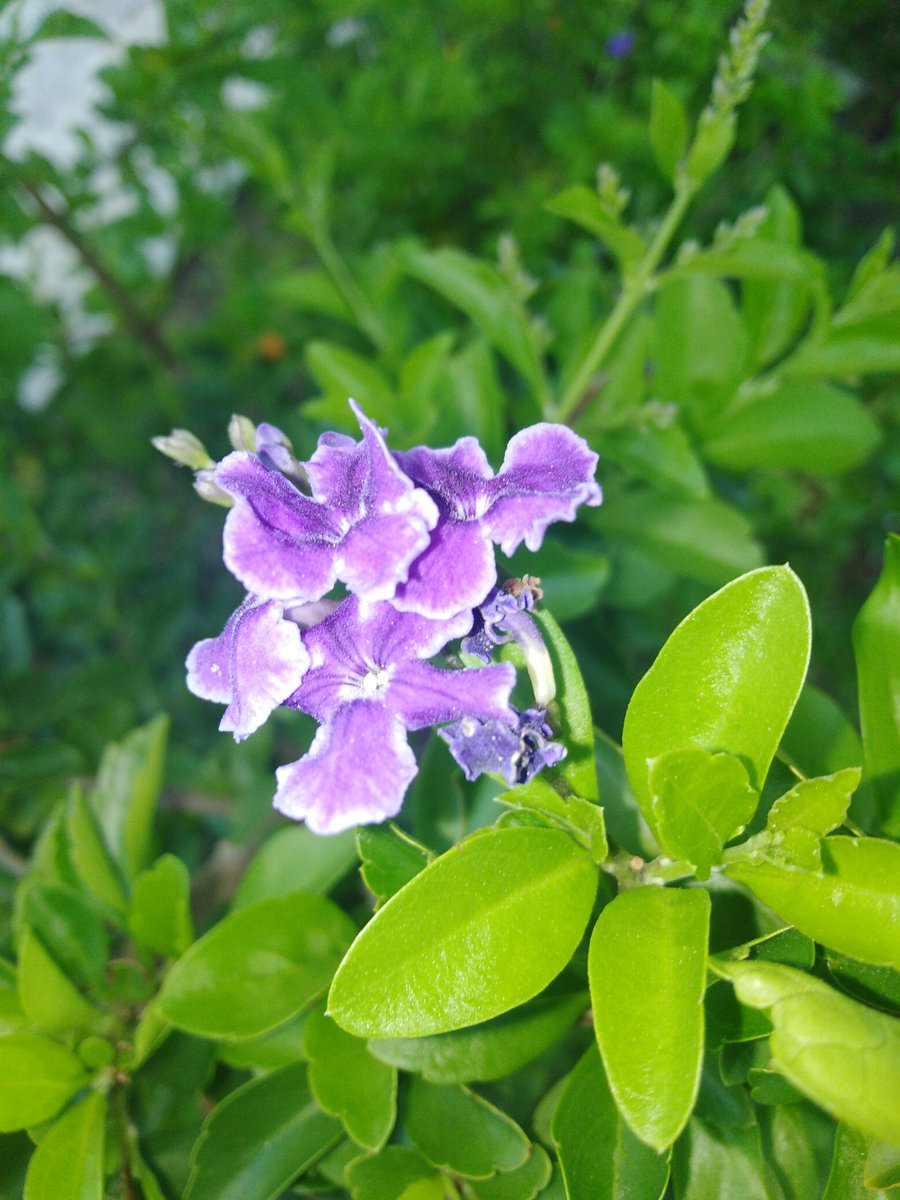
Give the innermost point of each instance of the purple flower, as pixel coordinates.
(620, 44)
(367, 686)
(548, 471)
(505, 617)
(517, 749)
(364, 523)
(253, 666)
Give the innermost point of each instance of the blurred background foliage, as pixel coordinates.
(245, 220)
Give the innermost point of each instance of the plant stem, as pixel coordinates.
(144, 329)
(631, 871)
(366, 315)
(635, 288)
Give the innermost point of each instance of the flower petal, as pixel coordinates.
(547, 473)
(422, 695)
(455, 572)
(356, 772)
(457, 475)
(256, 662)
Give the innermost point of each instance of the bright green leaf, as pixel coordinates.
(577, 727)
(668, 129)
(47, 995)
(349, 1082)
(523, 1183)
(447, 950)
(841, 1055)
(68, 1162)
(583, 206)
(707, 1164)
(91, 856)
(69, 928)
(37, 1077)
(160, 918)
(342, 373)
(459, 1131)
(850, 902)
(63, 24)
(774, 308)
(698, 802)
(390, 858)
(801, 426)
(388, 1174)
(818, 805)
(876, 644)
(489, 1051)
(598, 1153)
(661, 455)
(726, 680)
(258, 1139)
(279, 1048)
(258, 967)
(650, 1033)
(882, 1166)
(296, 860)
(125, 798)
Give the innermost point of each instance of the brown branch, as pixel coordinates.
(143, 328)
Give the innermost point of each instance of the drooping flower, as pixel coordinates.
(505, 617)
(255, 663)
(368, 684)
(363, 524)
(516, 749)
(548, 471)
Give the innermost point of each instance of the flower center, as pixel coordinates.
(374, 682)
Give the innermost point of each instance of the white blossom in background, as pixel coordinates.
(244, 95)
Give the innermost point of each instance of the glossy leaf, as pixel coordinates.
(128, 786)
(461, 1132)
(577, 726)
(388, 1174)
(650, 1032)
(817, 805)
(846, 1180)
(447, 950)
(598, 1153)
(876, 644)
(91, 856)
(390, 858)
(37, 1077)
(489, 1051)
(348, 1082)
(708, 1164)
(850, 902)
(801, 423)
(258, 1139)
(524, 1183)
(698, 802)
(882, 1168)
(726, 680)
(668, 129)
(47, 995)
(70, 929)
(296, 860)
(68, 1161)
(841, 1055)
(878, 987)
(160, 918)
(258, 967)
(484, 296)
(820, 740)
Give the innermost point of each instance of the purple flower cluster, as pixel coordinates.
(411, 537)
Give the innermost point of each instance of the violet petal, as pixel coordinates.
(422, 695)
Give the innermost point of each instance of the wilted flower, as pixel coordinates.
(515, 749)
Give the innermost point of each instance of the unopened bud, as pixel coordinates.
(207, 489)
(242, 433)
(184, 448)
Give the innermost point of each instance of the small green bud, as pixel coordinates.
(242, 433)
(184, 448)
(207, 489)
(96, 1052)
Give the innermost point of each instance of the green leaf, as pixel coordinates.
(817, 805)
(48, 997)
(68, 1161)
(882, 1166)
(711, 145)
(92, 858)
(878, 987)
(726, 680)
(698, 802)
(279, 1048)
(349, 1083)
(259, 1139)
(572, 579)
(847, 1178)
(849, 903)
(774, 308)
(485, 297)
(668, 129)
(523, 1183)
(576, 724)
(705, 540)
(128, 787)
(876, 644)
(459, 1131)
(662, 455)
(802, 426)
(37, 1077)
(598, 1153)
(489, 1051)
(843, 353)
(819, 739)
(63, 24)
(757, 258)
(342, 373)
(390, 858)
(258, 967)
(296, 860)
(447, 950)
(707, 1164)
(651, 1033)
(841, 1055)
(583, 206)
(70, 930)
(388, 1174)
(160, 918)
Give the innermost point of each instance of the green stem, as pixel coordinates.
(631, 871)
(634, 290)
(365, 314)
